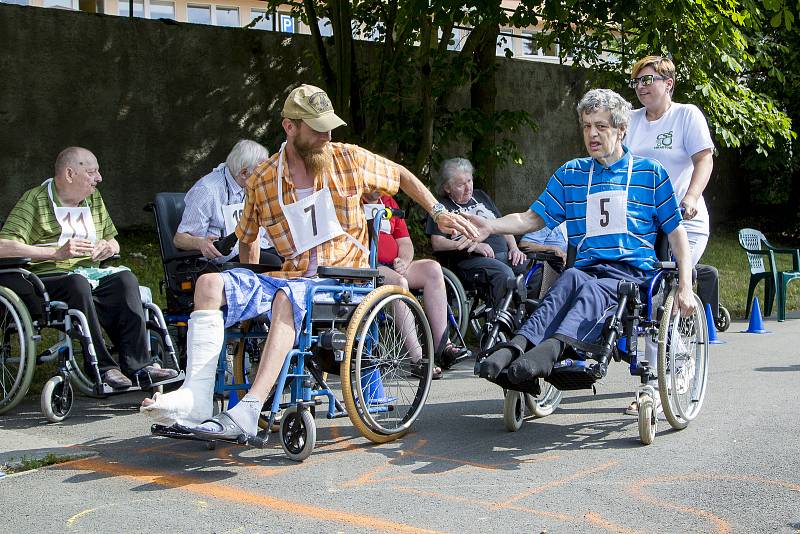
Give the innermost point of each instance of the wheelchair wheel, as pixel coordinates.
(384, 389)
(723, 322)
(298, 434)
(457, 299)
(647, 419)
(18, 351)
(682, 362)
(513, 410)
(56, 399)
(547, 401)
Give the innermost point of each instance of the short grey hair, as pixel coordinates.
(606, 100)
(245, 155)
(451, 167)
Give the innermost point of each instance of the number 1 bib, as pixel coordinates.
(75, 222)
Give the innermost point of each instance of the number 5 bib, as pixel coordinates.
(312, 220)
(607, 211)
(76, 223)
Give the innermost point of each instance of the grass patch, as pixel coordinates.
(729, 258)
(27, 464)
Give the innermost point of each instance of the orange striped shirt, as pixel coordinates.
(356, 171)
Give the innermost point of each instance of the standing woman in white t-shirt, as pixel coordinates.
(677, 136)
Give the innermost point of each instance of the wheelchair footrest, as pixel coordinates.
(173, 432)
(572, 375)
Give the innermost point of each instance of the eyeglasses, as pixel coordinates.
(645, 80)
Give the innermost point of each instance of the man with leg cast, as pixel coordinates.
(308, 198)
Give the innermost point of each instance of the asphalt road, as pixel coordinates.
(734, 469)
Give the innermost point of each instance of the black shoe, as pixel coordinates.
(450, 355)
(147, 376)
(116, 380)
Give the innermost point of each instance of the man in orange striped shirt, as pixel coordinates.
(308, 198)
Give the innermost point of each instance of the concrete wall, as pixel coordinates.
(162, 103)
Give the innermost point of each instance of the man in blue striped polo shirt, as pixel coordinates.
(614, 203)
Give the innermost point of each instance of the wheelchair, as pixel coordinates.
(353, 328)
(26, 310)
(682, 356)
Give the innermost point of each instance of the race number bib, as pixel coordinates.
(231, 214)
(606, 213)
(371, 210)
(76, 223)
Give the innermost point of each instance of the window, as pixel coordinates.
(325, 28)
(63, 4)
(264, 21)
(228, 16)
(528, 45)
(161, 9)
(124, 8)
(198, 14)
(17, 2)
(503, 42)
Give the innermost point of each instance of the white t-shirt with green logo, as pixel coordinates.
(672, 140)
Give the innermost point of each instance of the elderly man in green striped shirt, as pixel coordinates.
(63, 226)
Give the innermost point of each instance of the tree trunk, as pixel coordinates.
(483, 97)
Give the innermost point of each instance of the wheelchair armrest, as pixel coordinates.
(346, 273)
(255, 267)
(15, 262)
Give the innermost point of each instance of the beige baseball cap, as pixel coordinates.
(312, 105)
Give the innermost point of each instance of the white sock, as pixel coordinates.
(193, 402)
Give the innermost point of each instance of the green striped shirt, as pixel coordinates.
(33, 222)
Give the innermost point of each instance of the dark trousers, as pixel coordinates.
(115, 305)
(708, 287)
(492, 272)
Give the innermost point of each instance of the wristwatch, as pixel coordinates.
(436, 210)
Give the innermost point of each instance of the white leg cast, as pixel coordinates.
(192, 403)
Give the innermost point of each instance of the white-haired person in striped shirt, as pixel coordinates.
(614, 203)
(215, 203)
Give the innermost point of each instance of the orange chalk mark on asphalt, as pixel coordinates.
(239, 496)
(722, 526)
(487, 505)
(558, 482)
(599, 521)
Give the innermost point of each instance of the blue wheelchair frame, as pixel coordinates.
(298, 373)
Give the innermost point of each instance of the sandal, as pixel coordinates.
(632, 409)
(417, 369)
(229, 429)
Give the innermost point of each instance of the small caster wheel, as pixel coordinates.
(298, 434)
(211, 445)
(513, 410)
(57, 399)
(724, 320)
(647, 419)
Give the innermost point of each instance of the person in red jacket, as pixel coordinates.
(397, 266)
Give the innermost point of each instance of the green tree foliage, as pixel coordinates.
(415, 89)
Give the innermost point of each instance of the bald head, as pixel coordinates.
(74, 157)
(77, 174)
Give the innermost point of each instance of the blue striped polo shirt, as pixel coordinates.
(651, 205)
